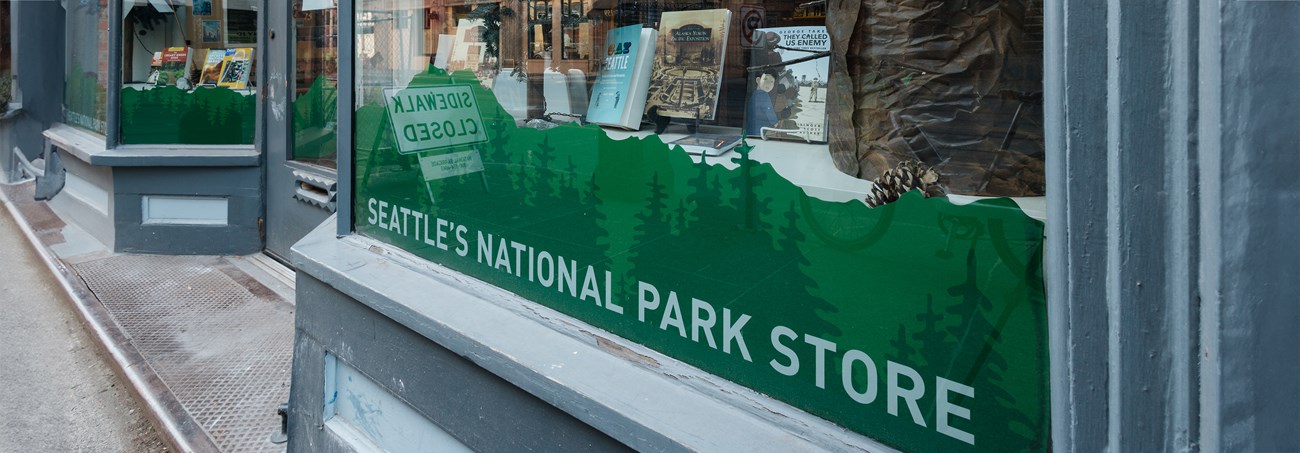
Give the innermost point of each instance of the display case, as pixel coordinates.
(187, 72)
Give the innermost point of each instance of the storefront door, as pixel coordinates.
(302, 76)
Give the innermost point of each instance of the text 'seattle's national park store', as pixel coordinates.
(719, 225)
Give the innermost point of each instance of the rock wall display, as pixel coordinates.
(954, 84)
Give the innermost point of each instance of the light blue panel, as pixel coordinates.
(173, 210)
(365, 415)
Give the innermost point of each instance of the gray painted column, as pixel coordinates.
(113, 98)
(1250, 248)
(344, 103)
(1173, 259)
(38, 36)
(1122, 224)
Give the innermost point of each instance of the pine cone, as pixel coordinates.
(905, 176)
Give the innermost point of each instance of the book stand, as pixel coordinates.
(661, 122)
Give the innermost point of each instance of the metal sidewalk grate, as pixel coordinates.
(220, 341)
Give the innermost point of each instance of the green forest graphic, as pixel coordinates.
(949, 291)
(84, 99)
(314, 131)
(204, 116)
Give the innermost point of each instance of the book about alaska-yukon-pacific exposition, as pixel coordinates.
(689, 55)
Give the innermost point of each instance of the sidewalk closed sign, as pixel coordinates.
(433, 118)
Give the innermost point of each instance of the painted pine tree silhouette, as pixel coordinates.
(977, 361)
(498, 142)
(789, 298)
(531, 180)
(936, 346)
(546, 176)
(570, 189)
(903, 351)
(653, 223)
(705, 198)
(747, 184)
(681, 217)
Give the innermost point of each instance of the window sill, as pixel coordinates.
(90, 147)
(658, 403)
(13, 109)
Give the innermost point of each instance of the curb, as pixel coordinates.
(180, 432)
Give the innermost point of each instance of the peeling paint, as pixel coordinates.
(274, 94)
(624, 352)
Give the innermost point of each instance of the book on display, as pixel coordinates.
(689, 57)
(618, 97)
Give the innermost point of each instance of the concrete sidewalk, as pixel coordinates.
(204, 341)
(60, 392)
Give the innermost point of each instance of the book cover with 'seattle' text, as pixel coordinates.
(618, 97)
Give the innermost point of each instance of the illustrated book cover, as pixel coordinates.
(619, 95)
(787, 84)
(175, 64)
(236, 69)
(689, 57)
(210, 74)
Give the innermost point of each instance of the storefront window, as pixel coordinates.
(576, 29)
(187, 72)
(795, 199)
(539, 28)
(317, 51)
(8, 89)
(86, 82)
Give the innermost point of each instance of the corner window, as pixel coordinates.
(837, 207)
(315, 127)
(8, 89)
(86, 81)
(188, 72)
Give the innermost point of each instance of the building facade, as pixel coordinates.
(914, 226)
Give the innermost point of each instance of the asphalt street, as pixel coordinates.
(57, 392)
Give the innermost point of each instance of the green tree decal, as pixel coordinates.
(902, 350)
(653, 223)
(977, 362)
(747, 184)
(789, 284)
(936, 348)
(682, 217)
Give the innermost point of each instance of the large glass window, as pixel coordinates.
(85, 84)
(837, 207)
(316, 58)
(188, 72)
(8, 90)
(576, 30)
(539, 28)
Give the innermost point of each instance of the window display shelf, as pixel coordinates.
(149, 86)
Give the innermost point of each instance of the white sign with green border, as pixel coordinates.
(451, 164)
